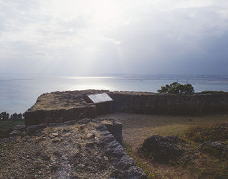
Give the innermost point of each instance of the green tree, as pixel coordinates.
(177, 88)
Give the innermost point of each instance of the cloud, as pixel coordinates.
(107, 36)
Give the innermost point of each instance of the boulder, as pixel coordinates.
(163, 149)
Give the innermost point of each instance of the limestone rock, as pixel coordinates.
(90, 135)
(115, 128)
(56, 140)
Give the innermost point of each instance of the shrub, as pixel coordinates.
(177, 88)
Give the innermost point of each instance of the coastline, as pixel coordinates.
(58, 117)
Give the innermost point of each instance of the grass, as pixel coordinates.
(136, 128)
(7, 126)
(140, 162)
(210, 132)
(173, 129)
(154, 170)
(206, 165)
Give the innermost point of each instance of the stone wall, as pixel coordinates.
(149, 103)
(43, 112)
(59, 116)
(104, 108)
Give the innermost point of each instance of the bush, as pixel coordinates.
(177, 88)
(212, 92)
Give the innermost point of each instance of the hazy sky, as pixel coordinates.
(73, 37)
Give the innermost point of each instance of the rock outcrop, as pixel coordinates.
(87, 149)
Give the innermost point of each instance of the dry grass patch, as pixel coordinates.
(136, 128)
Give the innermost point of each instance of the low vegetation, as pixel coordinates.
(8, 123)
(7, 126)
(210, 155)
(212, 92)
(207, 133)
(205, 137)
(205, 154)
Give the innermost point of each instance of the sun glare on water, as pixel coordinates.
(85, 86)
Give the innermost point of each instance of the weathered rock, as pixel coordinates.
(70, 122)
(20, 127)
(90, 135)
(56, 140)
(15, 133)
(67, 134)
(135, 172)
(32, 129)
(125, 162)
(84, 121)
(116, 151)
(69, 152)
(115, 128)
(132, 173)
(163, 149)
(55, 134)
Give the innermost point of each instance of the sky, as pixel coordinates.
(83, 37)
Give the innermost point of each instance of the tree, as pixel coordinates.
(177, 88)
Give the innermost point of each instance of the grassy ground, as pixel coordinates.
(7, 126)
(136, 128)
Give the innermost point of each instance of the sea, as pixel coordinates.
(18, 92)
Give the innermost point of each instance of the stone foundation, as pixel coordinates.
(60, 107)
(59, 116)
(149, 103)
(88, 149)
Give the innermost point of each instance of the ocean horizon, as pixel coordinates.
(18, 92)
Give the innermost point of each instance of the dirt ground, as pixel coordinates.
(137, 127)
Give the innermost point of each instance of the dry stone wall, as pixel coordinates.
(130, 102)
(170, 104)
(59, 116)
